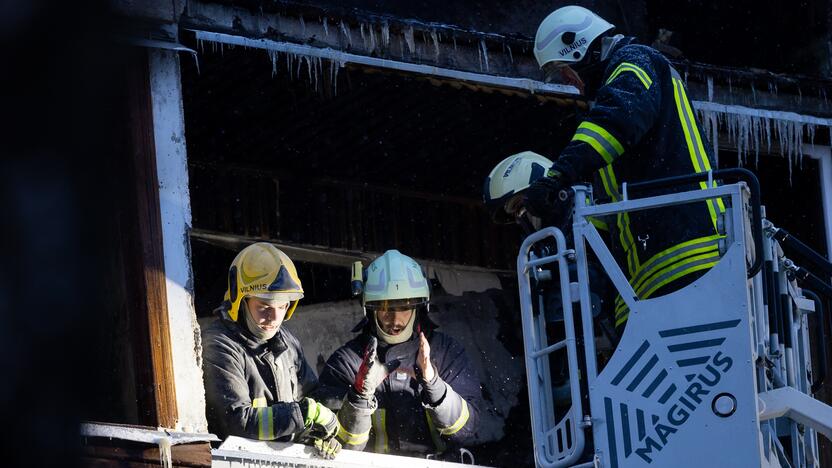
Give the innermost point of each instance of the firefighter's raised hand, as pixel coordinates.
(423, 359)
(371, 373)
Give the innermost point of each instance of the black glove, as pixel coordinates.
(549, 197)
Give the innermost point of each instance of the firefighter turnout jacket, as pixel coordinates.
(252, 386)
(407, 416)
(642, 127)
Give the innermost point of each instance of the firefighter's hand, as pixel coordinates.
(423, 359)
(318, 419)
(548, 197)
(327, 449)
(371, 373)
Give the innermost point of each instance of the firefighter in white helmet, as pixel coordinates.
(503, 191)
(640, 127)
(401, 386)
(257, 380)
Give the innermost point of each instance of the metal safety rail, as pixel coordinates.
(556, 443)
(715, 374)
(237, 452)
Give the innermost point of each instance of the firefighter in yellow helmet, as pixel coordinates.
(256, 376)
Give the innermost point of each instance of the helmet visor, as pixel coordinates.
(278, 296)
(397, 305)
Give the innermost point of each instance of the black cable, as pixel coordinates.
(820, 376)
(784, 237)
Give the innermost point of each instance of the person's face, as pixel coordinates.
(393, 322)
(268, 315)
(559, 72)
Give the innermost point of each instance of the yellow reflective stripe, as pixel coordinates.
(259, 402)
(636, 70)
(622, 319)
(707, 252)
(380, 429)
(438, 443)
(665, 257)
(265, 423)
(698, 263)
(626, 238)
(460, 422)
(618, 147)
(348, 438)
(698, 156)
(599, 223)
(595, 144)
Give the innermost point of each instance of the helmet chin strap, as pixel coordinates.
(252, 326)
(403, 336)
(608, 44)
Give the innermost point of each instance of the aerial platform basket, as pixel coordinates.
(718, 373)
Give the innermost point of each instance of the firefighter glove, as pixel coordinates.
(319, 420)
(549, 197)
(327, 449)
(372, 371)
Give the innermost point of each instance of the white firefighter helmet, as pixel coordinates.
(395, 280)
(395, 283)
(511, 176)
(566, 34)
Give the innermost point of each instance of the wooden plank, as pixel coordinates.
(99, 452)
(152, 313)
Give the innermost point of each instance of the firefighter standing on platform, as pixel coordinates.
(641, 127)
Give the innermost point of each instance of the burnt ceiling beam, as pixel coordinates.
(448, 47)
(322, 255)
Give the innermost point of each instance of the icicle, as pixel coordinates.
(326, 26)
(753, 93)
(434, 37)
(346, 31)
(363, 36)
(273, 56)
(385, 35)
(408, 37)
(372, 38)
(510, 57)
(165, 458)
(710, 88)
(484, 52)
(307, 60)
(302, 26)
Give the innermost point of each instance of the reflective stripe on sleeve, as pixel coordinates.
(379, 422)
(602, 141)
(459, 423)
(348, 438)
(636, 70)
(265, 423)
